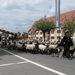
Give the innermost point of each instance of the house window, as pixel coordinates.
(58, 31)
(29, 33)
(52, 37)
(40, 32)
(58, 37)
(40, 37)
(36, 37)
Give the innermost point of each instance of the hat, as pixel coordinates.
(67, 31)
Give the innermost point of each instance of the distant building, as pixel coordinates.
(58, 32)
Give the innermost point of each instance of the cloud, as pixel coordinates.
(19, 15)
(67, 5)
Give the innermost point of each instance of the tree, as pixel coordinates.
(44, 25)
(70, 24)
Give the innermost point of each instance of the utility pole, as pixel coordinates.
(57, 13)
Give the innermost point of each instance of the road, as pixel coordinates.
(13, 62)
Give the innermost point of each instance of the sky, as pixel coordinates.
(20, 15)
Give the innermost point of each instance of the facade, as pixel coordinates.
(57, 33)
(54, 34)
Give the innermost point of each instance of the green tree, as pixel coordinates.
(44, 25)
(70, 24)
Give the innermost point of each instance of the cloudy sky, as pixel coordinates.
(19, 15)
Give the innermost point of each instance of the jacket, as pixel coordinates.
(67, 41)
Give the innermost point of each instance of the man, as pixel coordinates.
(67, 42)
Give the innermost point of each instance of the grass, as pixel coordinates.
(73, 47)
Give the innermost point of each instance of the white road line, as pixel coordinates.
(10, 64)
(35, 63)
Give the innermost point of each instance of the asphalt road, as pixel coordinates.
(13, 62)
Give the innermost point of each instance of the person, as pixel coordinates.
(58, 41)
(67, 42)
(47, 42)
(35, 41)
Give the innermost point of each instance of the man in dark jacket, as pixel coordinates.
(67, 42)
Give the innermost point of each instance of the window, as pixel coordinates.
(52, 37)
(58, 37)
(29, 33)
(36, 37)
(40, 32)
(58, 31)
(41, 38)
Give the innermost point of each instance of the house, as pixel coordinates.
(54, 34)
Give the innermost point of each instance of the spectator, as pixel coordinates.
(67, 42)
(58, 41)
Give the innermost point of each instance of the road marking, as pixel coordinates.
(35, 63)
(9, 64)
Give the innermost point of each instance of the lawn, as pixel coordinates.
(73, 47)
